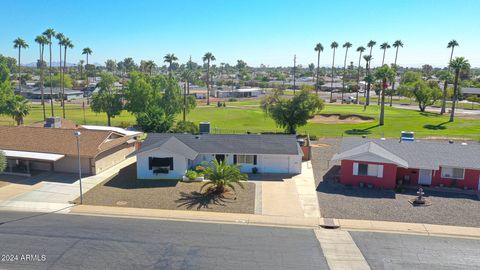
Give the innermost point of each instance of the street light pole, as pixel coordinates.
(77, 135)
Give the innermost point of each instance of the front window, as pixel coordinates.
(245, 159)
(369, 170)
(454, 173)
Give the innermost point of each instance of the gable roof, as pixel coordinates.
(423, 154)
(58, 140)
(371, 151)
(229, 143)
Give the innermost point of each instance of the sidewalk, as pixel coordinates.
(263, 220)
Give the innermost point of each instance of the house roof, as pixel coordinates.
(229, 143)
(58, 140)
(366, 150)
(422, 154)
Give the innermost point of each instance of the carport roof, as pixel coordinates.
(32, 155)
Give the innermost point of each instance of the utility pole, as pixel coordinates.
(77, 136)
(294, 69)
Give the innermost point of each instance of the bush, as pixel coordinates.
(191, 174)
(219, 104)
(254, 170)
(185, 127)
(232, 99)
(125, 124)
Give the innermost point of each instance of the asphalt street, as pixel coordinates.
(403, 251)
(57, 241)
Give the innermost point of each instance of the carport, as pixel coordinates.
(23, 162)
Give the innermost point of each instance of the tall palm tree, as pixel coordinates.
(360, 49)
(87, 51)
(318, 49)
(80, 64)
(67, 44)
(334, 46)
(49, 33)
(60, 37)
(170, 59)
(452, 44)
(370, 45)
(384, 46)
(19, 44)
(368, 79)
(397, 44)
(347, 46)
(207, 58)
(458, 64)
(42, 41)
(385, 74)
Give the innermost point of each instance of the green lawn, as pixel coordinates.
(396, 100)
(248, 118)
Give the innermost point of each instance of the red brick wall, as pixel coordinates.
(388, 180)
(470, 180)
(413, 173)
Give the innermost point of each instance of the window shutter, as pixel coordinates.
(380, 171)
(234, 159)
(150, 163)
(255, 160)
(355, 168)
(171, 163)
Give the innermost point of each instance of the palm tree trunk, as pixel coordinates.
(343, 77)
(331, 81)
(393, 83)
(455, 93)
(318, 72)
(19, 71)
(108, 119)
(383, 58)
(41, 82)
(445, 85)
(61, 78)
(63, 81)
(208, 82)
(358, 76)
(382, 105)
(51, 86)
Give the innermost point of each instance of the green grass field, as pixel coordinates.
(242, 117)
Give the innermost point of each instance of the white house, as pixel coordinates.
(169, 156)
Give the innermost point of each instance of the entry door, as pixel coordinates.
(220, 157)
(425, 177)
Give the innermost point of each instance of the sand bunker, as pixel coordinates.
(334, 118)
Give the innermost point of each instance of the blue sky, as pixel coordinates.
(259, 32)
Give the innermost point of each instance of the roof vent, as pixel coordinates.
(204, 127)
(450, 141)
(383, 139)
(464, 143)
(197, 137)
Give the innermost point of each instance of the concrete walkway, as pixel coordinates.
(53, 195)
(340, 250)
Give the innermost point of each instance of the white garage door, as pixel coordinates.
(275, 164)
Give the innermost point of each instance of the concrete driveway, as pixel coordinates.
(50, 191)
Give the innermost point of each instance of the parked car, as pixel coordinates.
(349, 99)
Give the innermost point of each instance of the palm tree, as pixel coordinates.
(452, 44)
(207, 58)
(170, 59)
(222, 176)
(19, 44)
(150, 65)
(318, 49)
(80, 65)
(60, 37)
(397, 44)
(384, 46)
(347, 46)
(49, 33)
(334, 46)
(385, 74)
(360, 49)
(370, 45)
(458, 64)
(67, 43)
(18, 107)
(42, 41)
(368, 78)
(87, 51)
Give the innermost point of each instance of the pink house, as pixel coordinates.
(385, 162)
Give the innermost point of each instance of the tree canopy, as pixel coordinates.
(108, 99)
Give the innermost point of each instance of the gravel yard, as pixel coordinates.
(337, 201)
(125, 190)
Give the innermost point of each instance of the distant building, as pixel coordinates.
(238, 93)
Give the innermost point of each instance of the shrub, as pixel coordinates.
(219, 104)
(232, 99)
(191, 174)
(185, 127)
(222, 176)
(254, 170)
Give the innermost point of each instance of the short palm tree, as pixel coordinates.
(42, 41)
(67, 44)
(385, 74)
(49, 33)
(458, 64)
(452, 44)
(318, 49)
(207, 58)
(347, 46)
(334, 46)
(170, 59)
(150, 64)
(384, 46)
(87, 51)
(360, 49)
(397, 44)
(18, 107)
(19, 44)
(368, 59)
(222, 176)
